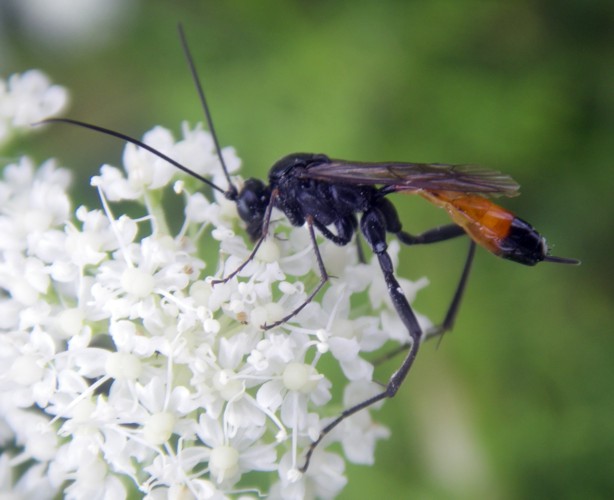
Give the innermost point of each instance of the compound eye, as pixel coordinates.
(252, 200)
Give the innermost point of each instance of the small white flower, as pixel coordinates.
(324, 478)
(229, 457)
(28, 98)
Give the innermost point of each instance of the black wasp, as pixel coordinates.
(323, 193)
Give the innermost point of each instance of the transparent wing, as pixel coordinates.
(416, 176)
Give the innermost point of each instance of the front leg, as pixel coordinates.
(265, 230)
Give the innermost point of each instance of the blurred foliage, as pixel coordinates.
(518, 401)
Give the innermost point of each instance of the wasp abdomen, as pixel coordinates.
(492, 226)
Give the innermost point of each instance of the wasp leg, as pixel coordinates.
(265, 230)
(243, 264)
(450, 317)
(345, 228)
(323, 279)
(361, 254)
(393, 225)
(435, 235)
(451, 313)
(374, 229)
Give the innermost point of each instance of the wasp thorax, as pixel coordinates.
(293, 161)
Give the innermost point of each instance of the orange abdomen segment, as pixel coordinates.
(487, 223)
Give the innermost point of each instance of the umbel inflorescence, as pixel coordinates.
(122, 368)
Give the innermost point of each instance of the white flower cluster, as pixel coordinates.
(27, 98)
(122, 368)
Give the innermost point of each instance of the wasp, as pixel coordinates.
(339, 198)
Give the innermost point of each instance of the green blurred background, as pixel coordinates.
(517, 402)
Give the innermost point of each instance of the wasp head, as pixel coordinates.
(252, 202)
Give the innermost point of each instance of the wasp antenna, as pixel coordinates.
(562, 260)
(136, 142)
(231, 194)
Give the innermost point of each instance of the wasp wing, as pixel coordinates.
(415, 176)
